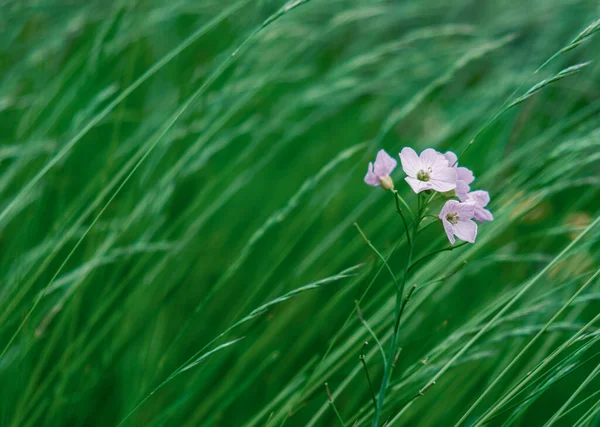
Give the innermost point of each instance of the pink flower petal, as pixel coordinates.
(449, 230)
(465, 210)
(449, 206)
(462, 190)
(482, 215)
(417, 185)
(466, 230)
(370, 177)
(443, 179)
(431, 159)
(452, 159)
(384, 164)
(465, 175)
(480, 197)
(410, 161)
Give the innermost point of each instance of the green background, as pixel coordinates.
(140, 219)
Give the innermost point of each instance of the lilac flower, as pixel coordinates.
(379, 174)
(479, 199)
(463, 175)
(457, 220)
(430, 171)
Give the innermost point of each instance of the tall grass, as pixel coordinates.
(179, 183)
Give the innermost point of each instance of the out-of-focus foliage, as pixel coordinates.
(156, 190)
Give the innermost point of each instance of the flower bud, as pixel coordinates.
(386, 183)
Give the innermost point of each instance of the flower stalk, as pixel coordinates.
(429, 175)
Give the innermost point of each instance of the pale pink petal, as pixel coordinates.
(462, 190)
(482, 215)
(449, 230)
(410, 161)
(384, 164)
(452, 159)
(465, 210)
(417, 185)
(480, 197)
(443, 179)
(449, 206)
(371, 178)
(466, 230)
(465, 175)
(431, 159)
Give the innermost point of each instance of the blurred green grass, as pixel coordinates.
(252, 193)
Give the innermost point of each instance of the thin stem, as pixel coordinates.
(586, 418)
(540, 390)
(424, 257)
(400, 302)
(394, 362)
(373, 335)
(394, 341)
(505, 106)
(582, 402)
(433, 196)
(428, 224)
(381, 257)
(588, 282)
(557, 414)
(445, 276)
(332, 403)
(401, 200)
(404, 302)
(399, 209)
(409, 402)
(496, 407)
(362, 358)
(391, 353)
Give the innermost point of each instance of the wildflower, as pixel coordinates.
(463, 175)
(479, 199)
(457, 220)
(379, 174)
(430, 171)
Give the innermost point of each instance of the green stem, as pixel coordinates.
(332, 403)
(404, 302)
(505, 106)
(400, 304)
(371, 332)
(424, 257)
(381, 257)
(399, 209)
(362, 358)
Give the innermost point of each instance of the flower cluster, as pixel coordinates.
(434, 171)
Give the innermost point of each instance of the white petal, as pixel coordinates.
(462, 190)
(417, 185)
(465, 210)
(452, 159)
(482, 215)
(480, 197)
(465, 175)
(466, 230)
(443, 179)
(410, 161)
(449, 231)
(431, 159)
